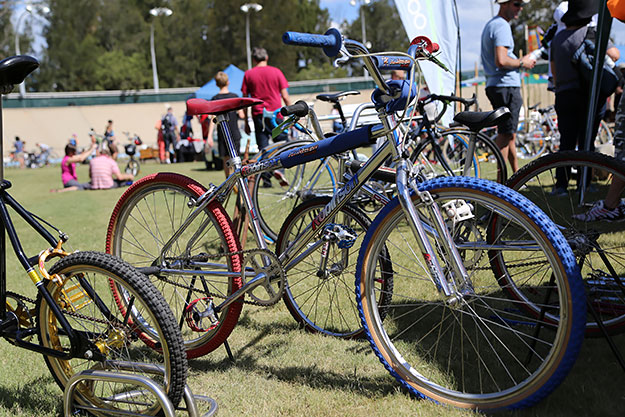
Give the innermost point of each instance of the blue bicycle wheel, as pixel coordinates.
(478, 348)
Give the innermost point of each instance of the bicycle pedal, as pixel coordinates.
(194, 317)
(75, 297)
(458, 210)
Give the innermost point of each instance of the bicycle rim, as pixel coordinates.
(599, 246)
(126, 341)
(319, 292)
(145, 217)
(483, 351)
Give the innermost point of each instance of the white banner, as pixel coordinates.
(435, 19)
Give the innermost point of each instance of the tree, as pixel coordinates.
(104, 44)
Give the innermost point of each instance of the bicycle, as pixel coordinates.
(132, 167)
(76, 319)
(467, 230)
(598, 246)
(442, 150)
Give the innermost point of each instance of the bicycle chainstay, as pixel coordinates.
(69, 313)
(203, 256)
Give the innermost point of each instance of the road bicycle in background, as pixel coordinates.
(538, 134)
(429, 272)
(76, 322)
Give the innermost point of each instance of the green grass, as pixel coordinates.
(278, 369)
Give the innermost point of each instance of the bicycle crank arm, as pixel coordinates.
(258, 280)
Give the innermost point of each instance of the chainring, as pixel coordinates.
(271, 291)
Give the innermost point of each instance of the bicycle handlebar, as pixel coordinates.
(385, 62)
(331, 42)
(446, 100)
(300, 109)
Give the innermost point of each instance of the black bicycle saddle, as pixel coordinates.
(14, 69)
(477, 121)
(334, 98)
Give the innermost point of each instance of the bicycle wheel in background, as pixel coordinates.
(487, 163)
(478, 348)
(132, 167)
(289, 187)
(146, 217)
(599, 246)
(148, 335)
(319, 293)
(604, 134)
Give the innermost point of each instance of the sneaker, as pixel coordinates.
(558, 192)
(599, 212)
(281, 178)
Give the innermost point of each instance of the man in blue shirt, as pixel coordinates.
(501, 68)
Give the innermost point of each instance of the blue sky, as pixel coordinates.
(473, 16)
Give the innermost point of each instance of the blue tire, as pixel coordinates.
(479, 349)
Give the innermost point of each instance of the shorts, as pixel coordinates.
(509, 97)
(74, 183)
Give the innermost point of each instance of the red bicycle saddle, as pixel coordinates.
(197, 106)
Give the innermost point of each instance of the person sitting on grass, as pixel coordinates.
(104, 171)
(68, 168)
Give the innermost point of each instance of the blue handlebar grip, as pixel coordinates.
(330, 42)
(385, 62)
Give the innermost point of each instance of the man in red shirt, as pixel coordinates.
(266, 83)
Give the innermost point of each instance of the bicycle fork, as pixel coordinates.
(453, 289)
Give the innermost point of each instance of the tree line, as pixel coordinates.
(105, 44)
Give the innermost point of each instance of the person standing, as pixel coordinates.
(502, 71)
(169, 127)
(18, 153)
(222, 81)
(268, 84)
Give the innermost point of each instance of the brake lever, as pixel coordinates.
(344, 56)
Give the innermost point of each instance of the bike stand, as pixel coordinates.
(147, 384)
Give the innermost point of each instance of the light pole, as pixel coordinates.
(362, 23)
(157, 11)
(247, 8)
(27, 10)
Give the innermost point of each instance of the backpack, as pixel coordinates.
(583, 60)
(166, 125)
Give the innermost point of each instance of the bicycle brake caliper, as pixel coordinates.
(195, 316)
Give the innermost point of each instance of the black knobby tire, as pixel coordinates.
(322, 300)
(151, 324)
(536, 181)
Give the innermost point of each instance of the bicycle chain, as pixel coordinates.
(69, 313)
(243, 252)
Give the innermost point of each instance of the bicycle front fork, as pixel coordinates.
(457, 282)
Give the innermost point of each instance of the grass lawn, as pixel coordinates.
(278, 369)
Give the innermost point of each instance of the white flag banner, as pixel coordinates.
(435, 19)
